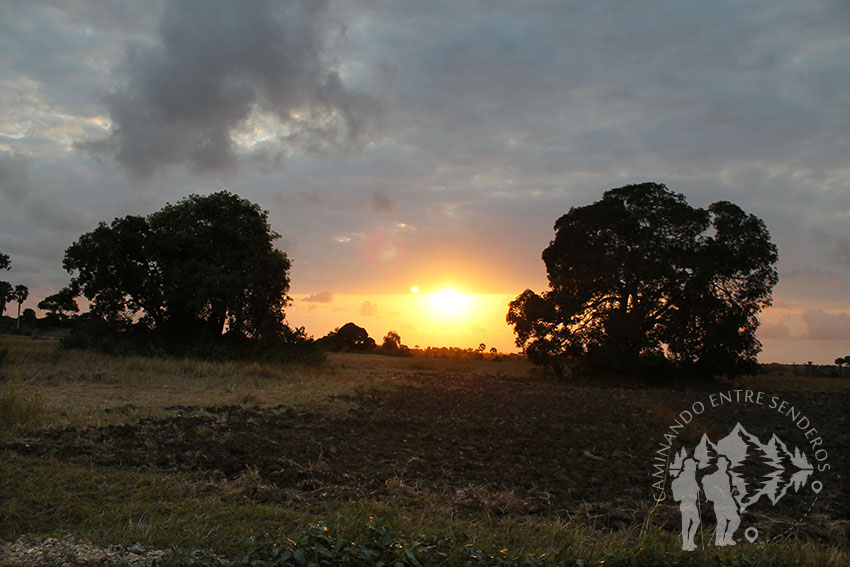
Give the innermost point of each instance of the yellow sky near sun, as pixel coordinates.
(443, 316)
(448, 316)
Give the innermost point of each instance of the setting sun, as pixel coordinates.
(448, 304)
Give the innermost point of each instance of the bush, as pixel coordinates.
(93, 333)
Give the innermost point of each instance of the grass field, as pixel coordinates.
(478, 455)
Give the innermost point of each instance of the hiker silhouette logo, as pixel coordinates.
(723, 479)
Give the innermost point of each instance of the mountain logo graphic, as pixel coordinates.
(733, 474)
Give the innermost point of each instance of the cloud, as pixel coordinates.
(827, 326)
(368, 309)
(778, 330)
(502, 118)
(43, 209)
(217, 68)
(839, 247)
(381, 203)
(321, 297)
(13, 176)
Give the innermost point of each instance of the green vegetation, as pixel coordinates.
(47, 498)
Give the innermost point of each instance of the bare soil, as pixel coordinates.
(472, 445)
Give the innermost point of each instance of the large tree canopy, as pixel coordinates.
(197, 268)
(641, 276)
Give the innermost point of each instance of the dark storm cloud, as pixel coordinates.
(214, 63)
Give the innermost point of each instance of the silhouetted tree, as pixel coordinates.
(640, 279)
(5, 287)
(392, 341)
(482, 347)
(20, 295)
(349, 337)
(841, 361)
(392, 345)
(494, 351)
(29, 318)
(60, 304)
(195, 268)
(6, 295)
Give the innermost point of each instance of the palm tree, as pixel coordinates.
(20, 295)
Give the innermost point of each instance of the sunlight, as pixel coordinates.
(439, 316)
(449, 304)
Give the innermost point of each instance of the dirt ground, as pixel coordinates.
(473, 445)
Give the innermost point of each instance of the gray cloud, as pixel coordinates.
(213, 64)
(496, 120)
(321, 297)
(13, 176)
(380, 203)
(777, 330)
(839, 246)
(827, 326)
(38, 206)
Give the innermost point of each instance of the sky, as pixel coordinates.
(432, 144)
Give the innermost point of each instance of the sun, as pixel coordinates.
(448, 304)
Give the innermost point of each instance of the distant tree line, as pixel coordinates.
(353, 338)
(640, 283)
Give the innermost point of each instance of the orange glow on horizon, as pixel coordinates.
(439, 316)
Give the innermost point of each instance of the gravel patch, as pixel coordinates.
(51, 552)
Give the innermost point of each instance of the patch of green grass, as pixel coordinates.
(43, 497)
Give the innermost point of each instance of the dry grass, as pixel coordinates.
(42, 385)
(74, 387)
(772, 382)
